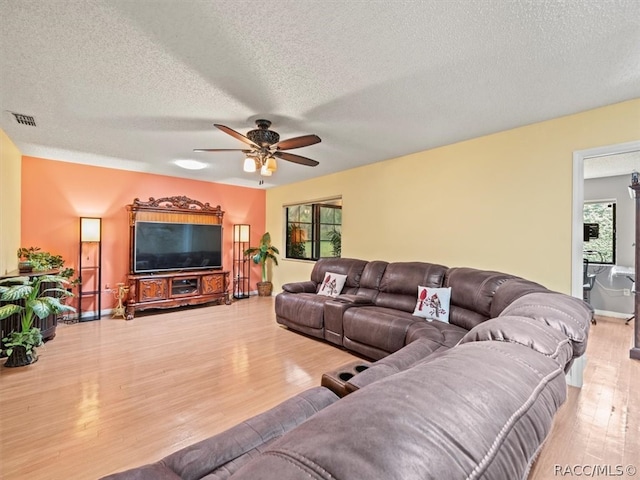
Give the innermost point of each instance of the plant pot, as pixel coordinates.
(264, 289)
(25, 267)
(19, 358)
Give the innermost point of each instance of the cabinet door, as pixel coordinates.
(153, 289)
(212, 284)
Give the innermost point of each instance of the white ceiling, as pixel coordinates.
(137, 84)
(612, 165)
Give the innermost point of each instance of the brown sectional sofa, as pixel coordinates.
(374, 315)
(472, 399)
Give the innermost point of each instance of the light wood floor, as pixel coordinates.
(599, 424)
(111, 395)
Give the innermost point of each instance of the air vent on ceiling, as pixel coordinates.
(24, 119)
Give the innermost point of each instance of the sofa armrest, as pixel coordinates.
(228, 451)
(334, 311)
(370, 375)
(300, 287)
(569, 315)
(524, 331)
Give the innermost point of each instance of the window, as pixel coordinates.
(600, 232)
(314, 230)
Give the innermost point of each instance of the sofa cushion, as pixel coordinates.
(382, 328)
(400, 282)
(527, 332)
(389, 330)
(510, 290)
(562, 312)
(477, 411)
(370, 279)
(332, 284)
(419, 351)
(448, 335)
(351, 267)
(433, 303)
(301, 309)
(472, 292)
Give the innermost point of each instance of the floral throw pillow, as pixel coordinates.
(332, 284)
(433, 303)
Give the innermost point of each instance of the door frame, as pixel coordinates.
(578, 200)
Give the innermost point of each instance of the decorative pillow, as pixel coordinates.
(433, 303)
(332, 284)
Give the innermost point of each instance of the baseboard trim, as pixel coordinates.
(606, 313)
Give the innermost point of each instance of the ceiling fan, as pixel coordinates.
(265, 147)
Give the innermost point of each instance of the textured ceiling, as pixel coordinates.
(138, 84)
(612, 165)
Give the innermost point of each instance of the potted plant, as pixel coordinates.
(261, 255)
(24, 263)
(33, 298)
(39, 259)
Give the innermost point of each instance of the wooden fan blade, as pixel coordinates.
(290, 157)
(233, 133)
(220, 150)
(297, 142)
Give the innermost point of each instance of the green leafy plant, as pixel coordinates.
(41, 261)
(263, 253)
(335, 237)
(29, 340)
(31, 302)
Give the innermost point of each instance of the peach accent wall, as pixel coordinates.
(56, 193)
(9, 203)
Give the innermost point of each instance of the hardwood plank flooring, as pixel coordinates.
(112, 394)
(599, 424)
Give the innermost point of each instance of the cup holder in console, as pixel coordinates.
(337, 380)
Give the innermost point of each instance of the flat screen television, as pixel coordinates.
(161, 246)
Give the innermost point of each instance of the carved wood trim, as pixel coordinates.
(173, 209)
(181, 203)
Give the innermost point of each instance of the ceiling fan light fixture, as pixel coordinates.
(263, 148)
(264, 171)
(271, 164)
(249, 165)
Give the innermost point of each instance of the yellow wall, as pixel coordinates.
(500, 202)
(10, 159)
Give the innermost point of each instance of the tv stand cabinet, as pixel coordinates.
(176, 289)
(169, 289)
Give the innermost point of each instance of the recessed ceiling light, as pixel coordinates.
(190, 164)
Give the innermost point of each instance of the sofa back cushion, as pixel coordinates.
(400, 281)
(371, 278)
(472, 293)
(351, 267)
(512, 290)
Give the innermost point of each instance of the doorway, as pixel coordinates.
(577, 236)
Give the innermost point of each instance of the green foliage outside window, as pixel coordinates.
(314, 231)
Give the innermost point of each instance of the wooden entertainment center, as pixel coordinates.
(169, 289)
